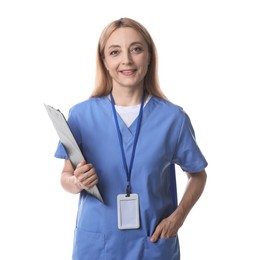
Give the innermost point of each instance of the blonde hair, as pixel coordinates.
(103, 81)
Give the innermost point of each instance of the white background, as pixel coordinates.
(206, 65)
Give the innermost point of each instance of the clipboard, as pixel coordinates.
(67, 139)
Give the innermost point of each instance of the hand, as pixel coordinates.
(86, 175)
(167, 228)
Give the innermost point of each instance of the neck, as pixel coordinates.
(127, 97)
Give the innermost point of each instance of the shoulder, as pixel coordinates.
(168, 108)
(86, 106)
(91, 102)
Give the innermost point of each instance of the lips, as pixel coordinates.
(127, 72)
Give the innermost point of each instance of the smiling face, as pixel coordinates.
(126, 57)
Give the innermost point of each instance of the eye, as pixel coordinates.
(136, 49)
(114, 53)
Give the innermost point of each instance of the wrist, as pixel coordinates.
(178, 216)
(70, 183)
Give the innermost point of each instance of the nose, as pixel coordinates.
(126, 58)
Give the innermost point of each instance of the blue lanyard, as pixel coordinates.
(128, 170)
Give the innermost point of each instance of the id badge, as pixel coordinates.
(128, 211)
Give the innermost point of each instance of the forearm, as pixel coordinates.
(194, 189)
(169, 226)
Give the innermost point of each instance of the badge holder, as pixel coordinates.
(128, 211)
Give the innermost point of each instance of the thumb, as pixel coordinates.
(156, 235)
(83, 162)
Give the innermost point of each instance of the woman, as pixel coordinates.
(131, 137)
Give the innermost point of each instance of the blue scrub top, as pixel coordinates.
(166, 138)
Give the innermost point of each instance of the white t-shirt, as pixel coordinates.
(130, 113)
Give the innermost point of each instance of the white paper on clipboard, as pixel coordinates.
(69, 142)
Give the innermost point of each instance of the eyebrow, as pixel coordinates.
(118, 46)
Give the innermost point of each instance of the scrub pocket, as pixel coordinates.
(88, 245)
(163, 249)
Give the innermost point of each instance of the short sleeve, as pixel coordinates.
(188, 154)
(61, 152)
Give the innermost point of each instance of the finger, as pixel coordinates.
(81, 169)
(165, 229)
(156, 234)
(83, 162)
(85, 172)
(89, 176)
(164, 234)
(168, 230)
(91, 183)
